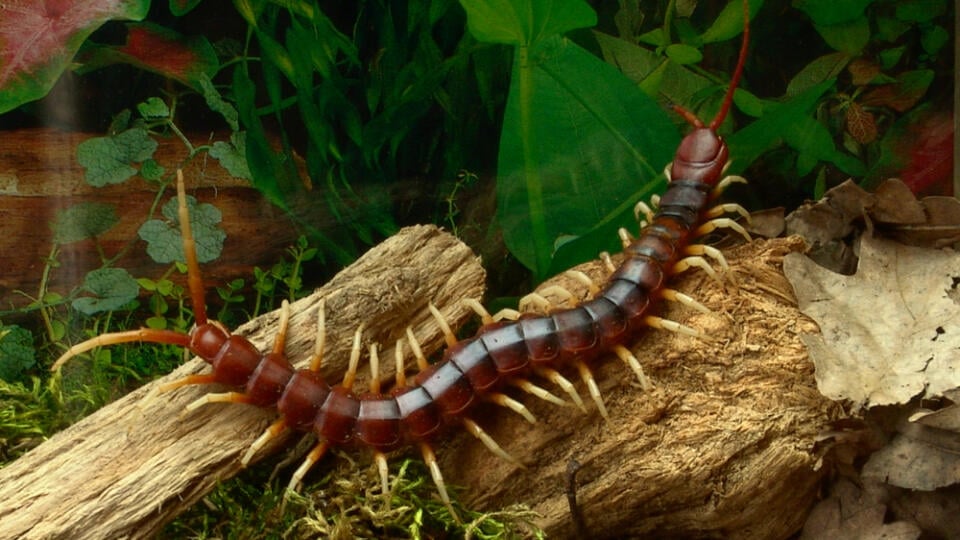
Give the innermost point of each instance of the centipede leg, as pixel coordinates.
(689, 262)
(673, 326)
(676, 296)
(726, 182)
(444, 326)
(537, 391)
(556, 378)
(431, 460)
(488, 441)
(631, 361)
(381, 460)
(506, 401)
(722, 223)
(315, 455)
(587, 377)
(727, 208)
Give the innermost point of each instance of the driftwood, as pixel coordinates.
(722, 446)
(131, 467)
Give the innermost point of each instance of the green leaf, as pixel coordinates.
(849, 37)
(578, 138)
(182, 7)
(830, 12)
(729, 23)
(164, 242)
(825, 68)
(217, 104)
(233, 155)
(683, 54)
(153, 108)
(108, 159)
(151, 170)
(525, 22)
(112, 288)
(914, 11)
(772, 128)
(934, 38)
(17, 354)
(83, 220)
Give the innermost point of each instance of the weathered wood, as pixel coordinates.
(131, 467)
(723, 446)
(40, 176)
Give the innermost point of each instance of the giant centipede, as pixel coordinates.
(503, 351)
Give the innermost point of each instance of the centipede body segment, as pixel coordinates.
(504, 352)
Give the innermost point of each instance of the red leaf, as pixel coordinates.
(38, 38)
(166, 52)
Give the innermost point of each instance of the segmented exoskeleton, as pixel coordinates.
(503, 351)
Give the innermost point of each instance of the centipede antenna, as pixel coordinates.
(506, 401)
(537, 391)
(194, 281)
(401, 369)
(281, 340)
(587, 377)
(737, 71)
(272, 432)
(374, 369)
(444, 326)
(556, 378)
(488, 441)
(317, 359)
(351, 373)
(631, 361)
(417, 352)
(431, 460)
(315, 455)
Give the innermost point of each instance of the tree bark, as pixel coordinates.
(134, 465)
(722, 446)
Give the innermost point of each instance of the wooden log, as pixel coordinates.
(40, 176)
(131, 467)
(723, 446)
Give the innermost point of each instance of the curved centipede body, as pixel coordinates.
(413, 412)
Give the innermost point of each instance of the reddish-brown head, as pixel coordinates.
(701, 157)
(702, 154)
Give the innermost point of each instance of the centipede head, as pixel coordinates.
(702, 154)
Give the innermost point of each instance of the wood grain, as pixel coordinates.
(134, 465)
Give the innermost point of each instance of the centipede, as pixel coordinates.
(508, 349)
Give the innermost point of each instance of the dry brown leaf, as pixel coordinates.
(889, 332)
(852, 513)
(926, 453)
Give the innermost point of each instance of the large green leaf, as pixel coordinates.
(525, 22)
(578, 139)
(38, 39)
